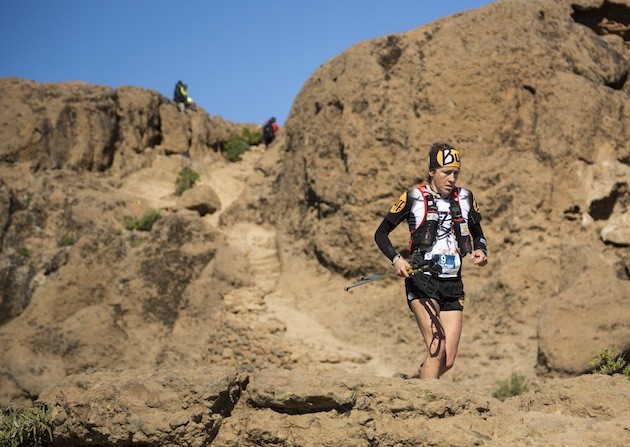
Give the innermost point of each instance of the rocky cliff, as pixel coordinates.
(535, 94)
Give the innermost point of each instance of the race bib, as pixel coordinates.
(450, 264)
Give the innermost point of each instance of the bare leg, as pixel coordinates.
(452, 324)
(427, 315)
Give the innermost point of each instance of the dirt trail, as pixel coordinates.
(322, 321)
(295, 292)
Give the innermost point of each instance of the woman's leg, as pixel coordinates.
(452, 325)
(427, 313)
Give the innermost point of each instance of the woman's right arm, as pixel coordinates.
(381, 237)
(397, 214)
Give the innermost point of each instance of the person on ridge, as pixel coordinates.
(270, 129)
(181, 98)
(444, 222)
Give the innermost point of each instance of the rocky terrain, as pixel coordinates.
(227, 323)
(225, 407)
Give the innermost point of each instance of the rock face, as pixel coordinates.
(78, 289)
(174, 407)
(225, 407)
(85, 127)
(536, 96)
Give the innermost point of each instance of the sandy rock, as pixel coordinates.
(523, 102)
(356, 136)
(176, 131)
(330, 409)
(83, 127)
(597, 397)
(202, 199)
(297, 392)
(366, 409)
(16, 277)
(66, 124)
(139, 126)
(595, 302)
(5, 208)
(617, 231)
(163, 407)
(225, 407)
(117, 297)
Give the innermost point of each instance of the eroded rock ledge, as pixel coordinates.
(227, 407)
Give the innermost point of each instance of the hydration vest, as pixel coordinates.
(423, 238)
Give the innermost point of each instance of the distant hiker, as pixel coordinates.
(444, 222)
(270, 128)
(181, 98)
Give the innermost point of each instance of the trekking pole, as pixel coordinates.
(368, 279)
(371, 278)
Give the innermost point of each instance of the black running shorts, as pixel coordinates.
(449, 293)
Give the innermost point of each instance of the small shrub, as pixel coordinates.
(25, 427)
(610, 361)
(135, 240)
(185, 180)
(24, 252)
(144, 223)
(513, 386)
(65, 241)
(251, 138)
(131, 223)
(234, 148)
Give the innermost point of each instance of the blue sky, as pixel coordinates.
(243, 60)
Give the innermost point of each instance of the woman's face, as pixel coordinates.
(443, 180)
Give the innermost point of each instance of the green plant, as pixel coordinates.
(25, 427)
(144, 223)
(515, 385)
(185, 180)
(251, 138)
(65, 241)
(234, 148)
(135, 241)
(24, 252)
(610, 361)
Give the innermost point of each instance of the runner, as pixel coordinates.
(444, 222)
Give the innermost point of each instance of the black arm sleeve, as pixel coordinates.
(397, 213)
(479, 241)
(474, 224)
(381, 237)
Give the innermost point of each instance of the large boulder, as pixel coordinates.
(535, 94)
(150, 407)
(201, 199)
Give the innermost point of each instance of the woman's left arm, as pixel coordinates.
(480, 248)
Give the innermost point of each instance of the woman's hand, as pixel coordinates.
(401, 267)
(479, 257)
